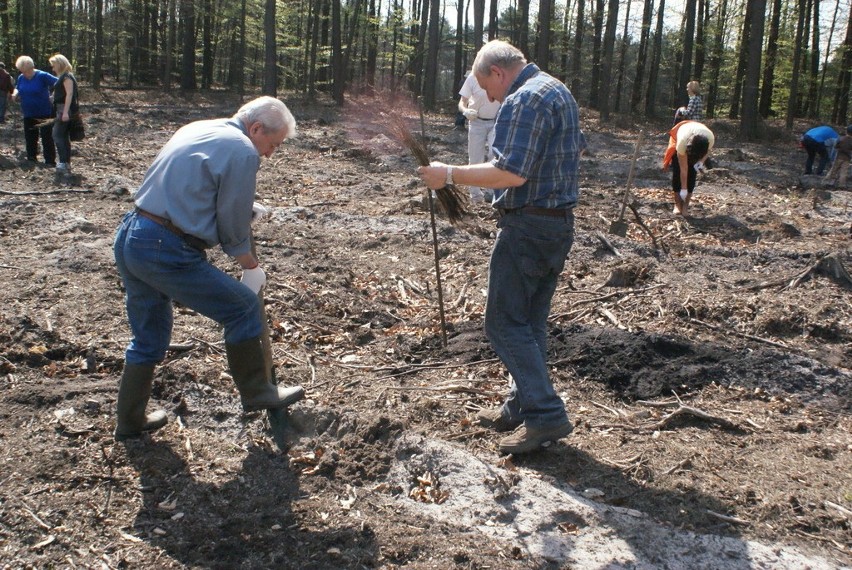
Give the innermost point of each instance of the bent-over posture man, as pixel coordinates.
(198, 193)
(536, 147)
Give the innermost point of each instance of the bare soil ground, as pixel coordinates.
(705, 363)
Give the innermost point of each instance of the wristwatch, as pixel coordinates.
(449, 180)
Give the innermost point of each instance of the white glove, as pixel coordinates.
(699, 166)
(470, 113)
(254, 279)
(258, 212)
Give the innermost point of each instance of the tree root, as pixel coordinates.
(830, 266)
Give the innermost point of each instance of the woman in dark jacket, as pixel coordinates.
(65, 106)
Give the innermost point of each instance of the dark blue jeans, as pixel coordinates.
(528, 256)
(158, 266)
(814, 148)
(61, 138)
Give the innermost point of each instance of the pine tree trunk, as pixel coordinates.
(636, 95)
(771, 56)
(751, 84)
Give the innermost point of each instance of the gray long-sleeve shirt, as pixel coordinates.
(204, 181)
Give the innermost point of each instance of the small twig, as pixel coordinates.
(467, 434)
(664, 404)
(38, 521)
(677, 467)
(728, 519)
(616, 413)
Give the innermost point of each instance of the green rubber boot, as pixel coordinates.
(256, 391)
(133, 394)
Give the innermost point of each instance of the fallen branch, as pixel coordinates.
(690, 411)
(829, 266)
(57, 191)
(744, 335)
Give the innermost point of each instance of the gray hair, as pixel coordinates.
(24, 62)
(271, 113)
(499, 53)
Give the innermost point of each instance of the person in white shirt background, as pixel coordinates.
(480, 113)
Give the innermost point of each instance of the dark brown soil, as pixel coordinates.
(386, 468)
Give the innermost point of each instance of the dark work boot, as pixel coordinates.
(256, 391)
(133, 394)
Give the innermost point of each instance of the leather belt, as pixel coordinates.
(191, 240)
(536, 211)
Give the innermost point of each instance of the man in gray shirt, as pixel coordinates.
(198, 193)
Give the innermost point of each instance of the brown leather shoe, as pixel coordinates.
(526, 439)
(494, 419)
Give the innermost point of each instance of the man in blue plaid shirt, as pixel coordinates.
(537, 146)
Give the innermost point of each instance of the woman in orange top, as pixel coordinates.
(690, 142)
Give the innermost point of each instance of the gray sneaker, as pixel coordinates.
(62, 168)
(494, 419)
(526, 439)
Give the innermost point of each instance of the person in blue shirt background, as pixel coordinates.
(537, 145)
(32, 90)
(818, 141)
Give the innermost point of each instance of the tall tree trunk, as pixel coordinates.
(596, 54)
(622, 58)
(187, 76)
(742, 63)
(605, 88)
(827, 52)
(771, 55)
(4, 31)
(493, 21)
(431, 85)
(523, 30)
(207, 45)
(653, 73)
(636, 95)
(701, 21)
(478, 21)
(751, 84)
(686, 61)
(314, 49)
(97, 64)
(716, 59)
(844, 78)
(797, 59)
(338, 73)
(270, 53)
(170, 46)
(372, 45)
(545, 19)
(576, 52)
(458, 56)
(813, 84)
(69, 29)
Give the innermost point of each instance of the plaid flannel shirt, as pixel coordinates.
(537, 137)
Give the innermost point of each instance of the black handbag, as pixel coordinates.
(76, 130)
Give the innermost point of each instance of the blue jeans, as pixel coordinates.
(157, 267)
(814, 148)
(61, 138)
(528, 256)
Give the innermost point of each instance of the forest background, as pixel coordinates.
(758, 59)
